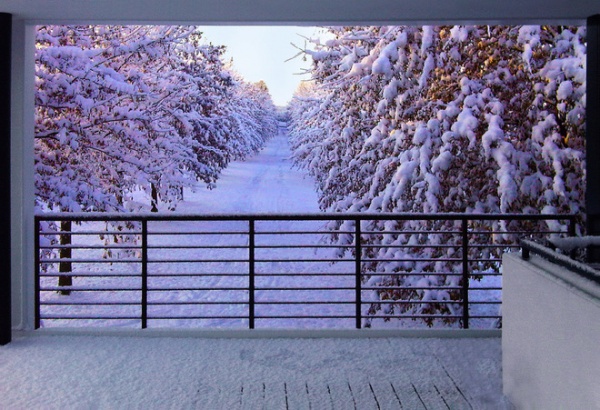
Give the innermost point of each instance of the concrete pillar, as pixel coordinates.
(5, 220)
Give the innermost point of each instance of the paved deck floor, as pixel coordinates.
(140, 372)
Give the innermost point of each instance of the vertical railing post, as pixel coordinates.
(36, 240)
(144, 274)
(592, 133)
(571, 233)
(65, 256)
(571, 226)
(251, 267)
(357, 268)
(465, 272)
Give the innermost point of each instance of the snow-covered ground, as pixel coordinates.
(264, 183)
(105, 372)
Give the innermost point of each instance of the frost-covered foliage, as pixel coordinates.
(443, 119)
(126, 108)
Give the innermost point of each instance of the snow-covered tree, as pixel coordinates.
(122, 108)
(443, 119)
(126, 108)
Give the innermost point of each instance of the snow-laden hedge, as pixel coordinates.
(124, 108)
(443, 119)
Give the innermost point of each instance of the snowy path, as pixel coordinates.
(264, 183)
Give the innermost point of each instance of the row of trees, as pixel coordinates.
(443, 119)
(126, 108)
(121, 109)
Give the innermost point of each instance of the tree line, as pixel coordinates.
(475, 119)
(126, 108)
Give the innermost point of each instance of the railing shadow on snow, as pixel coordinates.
(276, 270)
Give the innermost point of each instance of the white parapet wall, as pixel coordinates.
(550, 336)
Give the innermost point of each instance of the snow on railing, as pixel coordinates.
(565, 257)
(277, 270)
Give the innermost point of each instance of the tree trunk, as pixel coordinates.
(154, 201)
(65, 253)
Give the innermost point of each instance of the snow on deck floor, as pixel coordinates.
(82, 372)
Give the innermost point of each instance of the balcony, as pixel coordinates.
(339, 354)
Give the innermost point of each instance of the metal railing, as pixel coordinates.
(567, 261)
(327, 270)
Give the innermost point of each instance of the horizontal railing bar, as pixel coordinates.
(412, 260)
(394, 274)
(427, 232)
(411, 287)
(89, 233)
(197, 260)
(302, 232)
(370, 302)
(224, 302)
(522, 232)
(179, 289)
(113, 261)
(196, 317)
(305, 302)
(413, 317)
(370, 274)
(493, 246)
(477, 288)
(485, 274)
(304, 260)
(78, 303)
(410, 246)
(409, 232)
(304, 288)
(286, 274)
(182, 289)
(107, 247)
(54, 317)
(426, 302)
(152, 233)
(90, 275)
(196, 275)
(108, 216)
(197, 247)
(74, 260)
(410, 302)
(301, 246)
(332, 232)
(79, 289)
(412, 273)
(304, 317)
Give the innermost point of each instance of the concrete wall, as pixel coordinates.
(550, 336)
(22, 196)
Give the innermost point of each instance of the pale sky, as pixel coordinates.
(259, 53)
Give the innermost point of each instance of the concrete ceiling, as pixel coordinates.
(303, 12)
